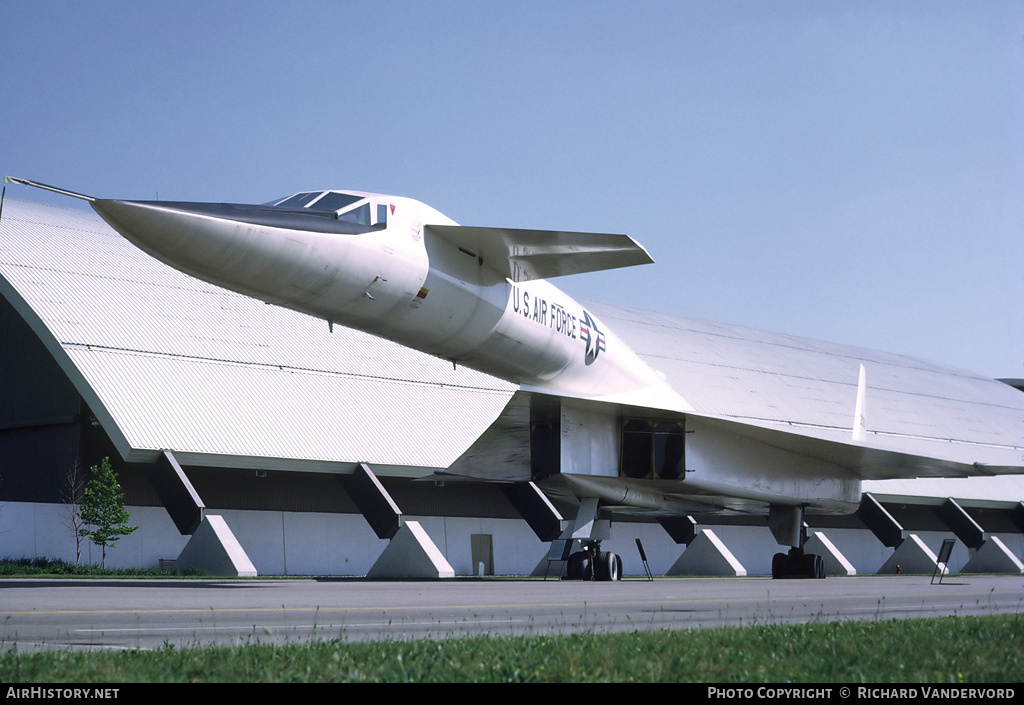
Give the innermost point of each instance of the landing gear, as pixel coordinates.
(788, 527)
(593, 564)
(608, 566)
(579, 567)
(797, 564)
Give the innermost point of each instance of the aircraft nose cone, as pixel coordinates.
(207, 242)
(166, 233)
(210, 248)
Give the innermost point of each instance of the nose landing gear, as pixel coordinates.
(797, 564)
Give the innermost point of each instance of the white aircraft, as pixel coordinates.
(668, 417)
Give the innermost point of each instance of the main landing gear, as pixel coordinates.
(593, 564)
(788, 527)
(797, 564)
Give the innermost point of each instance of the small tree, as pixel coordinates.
(103, 509)
(72, 496)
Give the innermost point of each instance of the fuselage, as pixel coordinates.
(375, 265)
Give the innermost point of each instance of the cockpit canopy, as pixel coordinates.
(348, 207)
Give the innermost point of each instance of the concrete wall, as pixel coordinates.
(299, 543)
(29, 530)
(278, 543)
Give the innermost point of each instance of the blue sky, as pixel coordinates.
(852, 171)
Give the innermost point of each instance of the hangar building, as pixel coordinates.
(106, 352)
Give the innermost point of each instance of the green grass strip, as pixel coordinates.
(942, 650)
(57, 568)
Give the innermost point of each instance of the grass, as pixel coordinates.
(941, 650)
(57, 568)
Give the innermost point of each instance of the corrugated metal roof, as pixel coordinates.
(172, 362)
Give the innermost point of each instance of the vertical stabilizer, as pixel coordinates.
(859, 412)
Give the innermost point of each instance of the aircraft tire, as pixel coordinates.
(814, 566)
(810, 565)
(778, 566)
(609, 566)
(578, 566)
(618, 567)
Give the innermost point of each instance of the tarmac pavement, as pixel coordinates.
(124, 614)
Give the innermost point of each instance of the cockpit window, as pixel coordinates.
(334, 201)
(360, 215)
(299, 200)
(349, 208)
